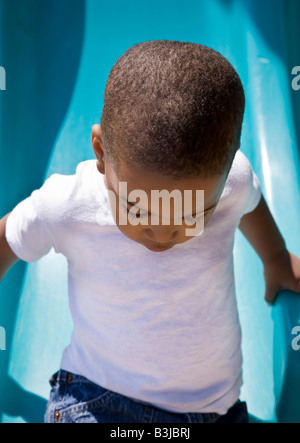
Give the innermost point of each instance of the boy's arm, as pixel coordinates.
(281, 267)
(7, 257)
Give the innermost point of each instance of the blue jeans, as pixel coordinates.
(74, 399)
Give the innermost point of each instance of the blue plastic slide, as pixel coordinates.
(55, 56)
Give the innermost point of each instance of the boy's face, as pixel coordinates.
(160, 235)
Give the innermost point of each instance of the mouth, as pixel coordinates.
(158, 247)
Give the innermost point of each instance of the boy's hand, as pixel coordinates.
(281, 272)
(281, 267)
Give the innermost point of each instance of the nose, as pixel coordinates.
(161, 234)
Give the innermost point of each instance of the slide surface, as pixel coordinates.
(57, 55)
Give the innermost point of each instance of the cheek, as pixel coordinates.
(192, 228)
(130, 231)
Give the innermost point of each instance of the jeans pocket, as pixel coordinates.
(71, 409)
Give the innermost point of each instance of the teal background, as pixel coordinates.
(57, 55)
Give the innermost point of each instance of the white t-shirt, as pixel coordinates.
(160, 328)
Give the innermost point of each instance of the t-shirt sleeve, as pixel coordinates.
(252, 188)
(27, 230)
(254, 194)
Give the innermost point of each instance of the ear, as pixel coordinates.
(97, 145)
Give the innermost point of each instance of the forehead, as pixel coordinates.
(137, 178)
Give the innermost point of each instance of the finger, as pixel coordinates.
(270, 296)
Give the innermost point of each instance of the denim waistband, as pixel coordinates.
(69, 378)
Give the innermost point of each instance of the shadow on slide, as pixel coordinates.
(57, 58)
(40, 48)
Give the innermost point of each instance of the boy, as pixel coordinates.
(149, 300)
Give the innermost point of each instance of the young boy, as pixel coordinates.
(156, 332)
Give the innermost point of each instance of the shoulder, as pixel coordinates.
(241, 168)
(242, 187)
(62, 187)
(68, 194)
(241, 174)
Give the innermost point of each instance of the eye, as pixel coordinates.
(132, 215)
(194, 219)
(139, 214)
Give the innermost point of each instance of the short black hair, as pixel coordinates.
(173, 107)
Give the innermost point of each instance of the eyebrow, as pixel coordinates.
(149, 213)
